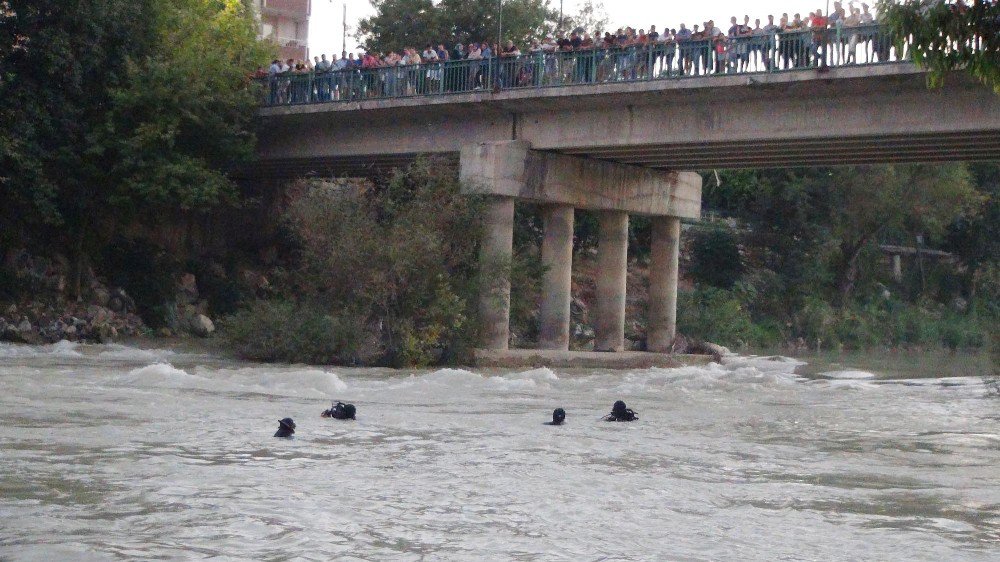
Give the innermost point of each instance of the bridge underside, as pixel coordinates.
(797, 153)
(889, 149)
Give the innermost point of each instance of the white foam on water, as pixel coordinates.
(542, 374)
(536, 378)
(304, 382)
(61, 349)
(296, 382)
(776, 363)
(848, 375)
(849, 384)
(162, 375)
(117, 352)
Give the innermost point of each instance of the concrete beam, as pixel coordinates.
(513, 169)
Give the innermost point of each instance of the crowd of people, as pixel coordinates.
(578, 57)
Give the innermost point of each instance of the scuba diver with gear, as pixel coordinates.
(620, 413)
(340, 411)
(558, 417)
(286, 428)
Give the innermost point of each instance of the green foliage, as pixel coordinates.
(726, 317)
(715, 257)
(115, 110)
(396, 261)
(294, 332)
(416, 23)
(949, 36)
(813, 268)
(721, 316)
(526, 271)
(146, 272)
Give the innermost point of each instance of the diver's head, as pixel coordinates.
(619, 409)
(286, 428)
(558, 416)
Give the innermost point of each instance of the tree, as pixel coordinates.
(415, 23)
(592, 17)
(116, 110)
(866, 203)
(401, 23)
(945, 36)
(814, 225)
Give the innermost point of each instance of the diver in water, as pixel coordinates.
(558, 417)
(620, 413)
(286, 428)
(340, 411)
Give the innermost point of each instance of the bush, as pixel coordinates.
(715, 315)
(715, 258)
(294, 333)
(395, 261)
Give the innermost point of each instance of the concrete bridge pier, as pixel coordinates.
(612, 270)
(661, 328)
(557, 257)
(495, 256)
(508, 170)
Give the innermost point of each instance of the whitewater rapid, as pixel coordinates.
(113, 452)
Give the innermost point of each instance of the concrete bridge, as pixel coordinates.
(624, 148)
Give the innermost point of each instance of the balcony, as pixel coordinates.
(293, 9)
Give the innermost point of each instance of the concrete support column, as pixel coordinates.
(612, 264)
(557, 257)
(663, 271)
(495, 255)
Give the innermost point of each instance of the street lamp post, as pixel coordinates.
(499, 24)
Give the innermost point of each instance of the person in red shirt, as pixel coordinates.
(819, 25)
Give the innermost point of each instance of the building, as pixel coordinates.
(286, 22)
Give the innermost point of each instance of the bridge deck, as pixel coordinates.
(847, 115)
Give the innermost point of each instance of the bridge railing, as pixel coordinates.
(752, 54)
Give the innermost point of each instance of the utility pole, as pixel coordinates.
(559, 27)
(499, 25)
(343, 49)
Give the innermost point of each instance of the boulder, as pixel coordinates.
(708, 348)
(99, 315)
(201, 326)
(120, 302)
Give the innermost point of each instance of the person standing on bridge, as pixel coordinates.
(820, 38)
(683, 38)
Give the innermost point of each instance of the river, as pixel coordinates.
(113, 452)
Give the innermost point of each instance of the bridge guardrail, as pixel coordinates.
(752, 54)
